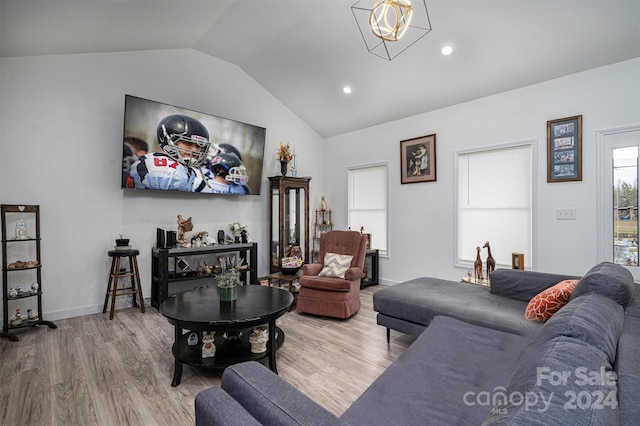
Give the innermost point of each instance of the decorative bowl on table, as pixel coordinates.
(290, 265)
(289, 271)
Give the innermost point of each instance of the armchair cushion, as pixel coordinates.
(335, 265)
(325, 283)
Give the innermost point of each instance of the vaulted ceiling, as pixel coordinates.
(305, 51)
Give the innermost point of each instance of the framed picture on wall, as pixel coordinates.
(517, 261)
(564, 149)
(418, 159)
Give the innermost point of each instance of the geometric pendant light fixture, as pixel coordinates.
(389, 27)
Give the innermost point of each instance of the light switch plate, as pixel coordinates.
(566, 213)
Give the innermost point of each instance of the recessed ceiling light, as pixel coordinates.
(447, 50)
(346, 89)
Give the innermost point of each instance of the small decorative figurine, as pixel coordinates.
(192, 340)
(21, 230)
(491, 262)
(13, 292)
(35, 286)
(323, 204)
(17, 318)
(200, 239)
(477, 266)
(208, 348)
(258, 339)
(184, 225)
(236, 228)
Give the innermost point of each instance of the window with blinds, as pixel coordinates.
(494, 203)
(368, 203)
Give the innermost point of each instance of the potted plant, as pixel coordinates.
(228, 281)
(284, 156)
(122, 243)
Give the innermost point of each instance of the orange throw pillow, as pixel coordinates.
(548, 302)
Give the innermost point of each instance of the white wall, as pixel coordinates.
(61, 134)
(61, 138)
(422, 215)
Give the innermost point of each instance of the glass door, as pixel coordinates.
(618, 167)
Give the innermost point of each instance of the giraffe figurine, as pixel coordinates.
(491, 262)
(477, 266)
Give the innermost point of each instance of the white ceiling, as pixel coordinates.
(305, 51)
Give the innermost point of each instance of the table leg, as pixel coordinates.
(177, 369)
(272, 345)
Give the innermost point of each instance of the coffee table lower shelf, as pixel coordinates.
(229, 351)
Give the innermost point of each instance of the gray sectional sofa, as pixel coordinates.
(409, 307)
(475, 360)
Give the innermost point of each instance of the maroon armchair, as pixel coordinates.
(332, 287)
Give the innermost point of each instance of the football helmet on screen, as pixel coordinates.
(230, 167)
(181, 128)
(226, 148)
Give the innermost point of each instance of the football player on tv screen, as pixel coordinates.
(224, 171)
(185, 144)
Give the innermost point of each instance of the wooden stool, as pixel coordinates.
(116, 274)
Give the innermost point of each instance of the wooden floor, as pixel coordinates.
(92, 371)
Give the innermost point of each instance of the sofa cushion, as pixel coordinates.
(438, 380)
(608, 279)
(634, 307)
(335, 265)
(523, 285)
(420, 300)
(566, 371)
(592, 318)
(549, 301)
(571, 385)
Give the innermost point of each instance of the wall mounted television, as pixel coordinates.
(168, 148)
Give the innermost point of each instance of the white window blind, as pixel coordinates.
(367, 203)
(494, 204)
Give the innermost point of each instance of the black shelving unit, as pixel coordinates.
(371, 264)
(11, 214)
(166, 272)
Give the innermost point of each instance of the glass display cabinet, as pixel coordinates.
(289, 216)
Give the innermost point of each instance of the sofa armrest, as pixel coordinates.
(215, 407)
(271, 400)
(311, 269)
(353, 274)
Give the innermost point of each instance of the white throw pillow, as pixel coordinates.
(335, 265)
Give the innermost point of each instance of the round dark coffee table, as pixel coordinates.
(201, 310)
